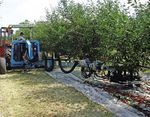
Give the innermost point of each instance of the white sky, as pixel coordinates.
(16, 11)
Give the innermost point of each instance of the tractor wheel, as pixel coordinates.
(8, 57)
(2, 65)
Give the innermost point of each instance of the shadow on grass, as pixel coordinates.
(42, 96)
(32, 77)
(67, 102)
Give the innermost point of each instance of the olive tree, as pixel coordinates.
(104, 30)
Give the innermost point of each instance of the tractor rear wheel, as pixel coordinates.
(2, 65)
(8, 57)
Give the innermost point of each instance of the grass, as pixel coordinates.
(35, 94)
(146, 71)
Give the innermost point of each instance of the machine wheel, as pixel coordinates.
(86, 72)
(2, 65)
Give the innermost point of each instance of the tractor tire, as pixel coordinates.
(2, 65)
(8, 57)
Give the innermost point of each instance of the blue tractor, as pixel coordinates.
(24, 53)
(29, 48)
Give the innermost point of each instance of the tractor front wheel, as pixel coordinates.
(2, 65)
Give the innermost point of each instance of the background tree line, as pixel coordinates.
(104, 30)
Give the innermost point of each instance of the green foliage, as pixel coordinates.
(104, 30)
(27, 31)
(40, 32)
(143, 21)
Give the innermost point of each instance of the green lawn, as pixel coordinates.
(35, 94)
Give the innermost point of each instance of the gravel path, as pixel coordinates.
(97, 95)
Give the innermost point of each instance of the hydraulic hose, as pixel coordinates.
(67, 71)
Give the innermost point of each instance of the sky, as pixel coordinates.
(16, 11)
